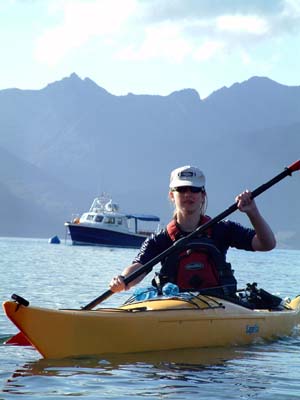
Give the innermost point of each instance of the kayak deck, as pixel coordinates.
(152, 325)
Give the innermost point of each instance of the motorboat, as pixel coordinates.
(105, 225)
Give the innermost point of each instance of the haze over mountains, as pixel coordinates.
(63, 145)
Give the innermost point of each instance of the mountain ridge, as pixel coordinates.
(84, 140)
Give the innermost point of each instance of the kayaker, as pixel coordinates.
(202, 264)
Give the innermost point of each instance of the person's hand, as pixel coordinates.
(245, 203)
(117, 284)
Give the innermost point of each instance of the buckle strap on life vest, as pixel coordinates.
(174, 231)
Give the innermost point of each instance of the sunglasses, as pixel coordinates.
(192, 189)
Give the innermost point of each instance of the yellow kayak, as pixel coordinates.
(186, 321)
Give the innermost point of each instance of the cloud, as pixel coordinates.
(208, 50)
(203, 30)
(242, 24)
(257, 17)
(82, 20)
(168, 30)
(164, 41)
(291, 8)
(158, 10)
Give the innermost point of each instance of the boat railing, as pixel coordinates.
(99, 203)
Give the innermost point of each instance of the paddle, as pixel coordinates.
(148, 266)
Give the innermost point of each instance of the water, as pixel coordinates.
(63, 276)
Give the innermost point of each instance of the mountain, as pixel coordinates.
(33, 202)
(66, 143)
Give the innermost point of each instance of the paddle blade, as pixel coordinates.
(18, 340)
(295, 166)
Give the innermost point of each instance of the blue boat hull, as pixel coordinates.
(85, 235)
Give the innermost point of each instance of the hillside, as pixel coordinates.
(63, 145)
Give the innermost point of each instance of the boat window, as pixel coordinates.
(99, 218)
(109, 220)
(90, 217)
(119, 221)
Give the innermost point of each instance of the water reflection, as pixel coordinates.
(217, 373)
(193, 359)
(168, 371)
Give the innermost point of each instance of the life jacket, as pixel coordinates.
(198, 264)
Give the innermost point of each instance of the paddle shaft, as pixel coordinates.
(148, 266)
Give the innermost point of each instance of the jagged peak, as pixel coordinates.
(74, 81)
(73, 78)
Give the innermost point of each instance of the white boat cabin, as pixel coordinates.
(105, 214)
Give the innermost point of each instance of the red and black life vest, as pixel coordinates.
(198, 264)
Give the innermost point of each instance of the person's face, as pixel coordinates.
(188, 199)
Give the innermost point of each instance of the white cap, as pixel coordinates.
(187, 176)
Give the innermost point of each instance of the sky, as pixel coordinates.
(149, 46)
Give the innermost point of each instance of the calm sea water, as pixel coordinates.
(68, 276)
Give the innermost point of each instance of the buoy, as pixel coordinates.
(54, 240)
